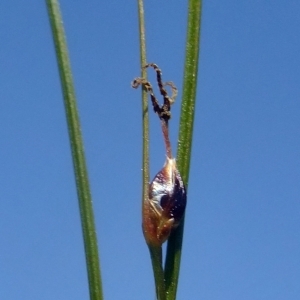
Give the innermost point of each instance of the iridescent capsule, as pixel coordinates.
(165, 206)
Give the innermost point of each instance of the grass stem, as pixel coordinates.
(80, 170)
(174, 247)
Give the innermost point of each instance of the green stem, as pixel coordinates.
(156, 258)
(80, 170)
(155, 252)
(174, 247)
(145, 113)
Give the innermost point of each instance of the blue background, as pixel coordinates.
(242, 237)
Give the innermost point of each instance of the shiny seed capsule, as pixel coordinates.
(165, 206)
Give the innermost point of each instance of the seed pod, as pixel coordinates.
(165, 206)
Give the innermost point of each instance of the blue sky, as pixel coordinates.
(242, 237)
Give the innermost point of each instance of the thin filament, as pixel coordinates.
(165, 131)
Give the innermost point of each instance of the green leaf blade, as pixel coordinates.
(80, 169)
(174, 248)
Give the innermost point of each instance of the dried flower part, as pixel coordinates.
(164, 208)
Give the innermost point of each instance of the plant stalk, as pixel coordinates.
(80, 170)
(156, 259)
(155, 252)
(174, 247)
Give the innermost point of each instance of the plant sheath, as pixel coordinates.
(80, 170)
